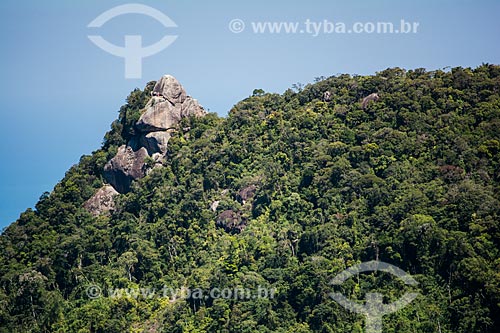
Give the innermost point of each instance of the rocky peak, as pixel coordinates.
(169, 88)
(169, 103)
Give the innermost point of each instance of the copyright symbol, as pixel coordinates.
(93, 292)
(236, 26)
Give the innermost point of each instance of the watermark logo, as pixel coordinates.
(183, 293)
(94, 292)
(236, 26)
(325, 27)
(133, 52)
(374, 308)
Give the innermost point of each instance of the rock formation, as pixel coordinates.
(246, 193)
(169, 88)
(231, 221)
(102, 201)
(155, 142)
(126, 166)
(167, 106)
(214, 205)
(327, 96)
(160, 115)
(372, 97)
(169, 103)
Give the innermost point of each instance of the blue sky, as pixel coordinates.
(59, 92)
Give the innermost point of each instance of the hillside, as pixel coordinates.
(283, 194)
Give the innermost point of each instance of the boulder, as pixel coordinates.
(231, 221)
(160, 116)
(170, 89)
(327, 96)
(158, 158)
(168, 104)
(102, 201)
(126, 166)
(155, 142)
(372, 97)
(191, 107)
(214, 205)
(163, 115)
(247, 193)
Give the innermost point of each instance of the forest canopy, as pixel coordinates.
(307, 184)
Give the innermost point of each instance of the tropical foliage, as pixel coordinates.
(413, 180)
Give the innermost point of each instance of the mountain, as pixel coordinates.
(181, 210)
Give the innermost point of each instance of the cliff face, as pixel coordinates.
(169, 103)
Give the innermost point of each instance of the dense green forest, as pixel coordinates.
(307, 185)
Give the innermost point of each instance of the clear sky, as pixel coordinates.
(59, 92)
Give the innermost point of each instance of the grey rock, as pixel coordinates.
(102, 201)
(231, 221)
(168, 104)
(158, 158)
(170, 89)
(372, 97)
(126, 166)
(247, 193)
(214, 205)
(155, 142)
(191, 107)
(160, 116)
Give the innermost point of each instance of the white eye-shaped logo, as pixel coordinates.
(132, 52)
(374, 308)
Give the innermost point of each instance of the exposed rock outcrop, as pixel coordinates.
(191, 107)
(167, 106)
(247, 193)
(327, 96)
(169, 103)
(126, 166)
(214, 205)
(372, 97)
(155, 142)
(102, 201)
(169, 88)
(160, 115)
(231, 221)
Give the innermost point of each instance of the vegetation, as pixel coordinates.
(413, 180)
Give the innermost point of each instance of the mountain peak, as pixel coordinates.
(169, 103)
(169, 88)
